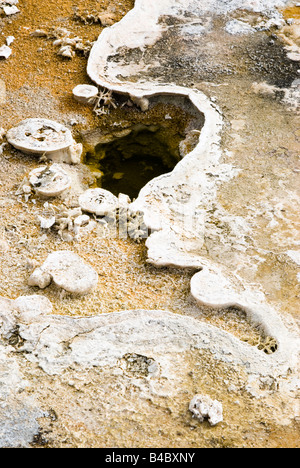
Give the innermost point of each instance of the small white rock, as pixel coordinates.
(98, 201)
(85, 93)
(66, 51)
(49, 181)
(81, 220)
(46, 223)
(203, 407)
(10, 40)
(10, 10)
(68, 271)
(39, 278)
(5, 52)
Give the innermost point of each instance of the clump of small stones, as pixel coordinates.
(115, 212)
(68, 46)
(203, 407)
(71, 224)
(105, 18)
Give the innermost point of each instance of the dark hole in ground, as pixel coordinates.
(129, 163)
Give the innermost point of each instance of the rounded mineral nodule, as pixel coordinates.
(45, 137)
(98, 201)
(39, 136)
(85, 93)
(49, 181)
(68, 271)
(203, 407)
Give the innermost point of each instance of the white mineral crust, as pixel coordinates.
(68, 271)
(49, 181)
(45, 138)
(31, 307)
(203, 407)
(98, 201)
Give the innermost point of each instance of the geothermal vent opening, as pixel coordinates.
(151, 145)
(129, 163)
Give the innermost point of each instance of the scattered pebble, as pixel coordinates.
(5, 52)
(85, 94)
(10, 10)
(49, 181)
(98, 201)
(203, 407)
(10, 40)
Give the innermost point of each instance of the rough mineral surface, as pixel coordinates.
(98, 201)
(49, 181)
(45, 137)
(202, 407)
(67, 270)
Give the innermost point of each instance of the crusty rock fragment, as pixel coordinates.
(66, 51)
(5, 52)
(98, 201)
(49, 181)
(10, 10)
(68, 271)
(40, 278)
(203, 407)
(45, 138)
(9, 40)
(85, 94)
